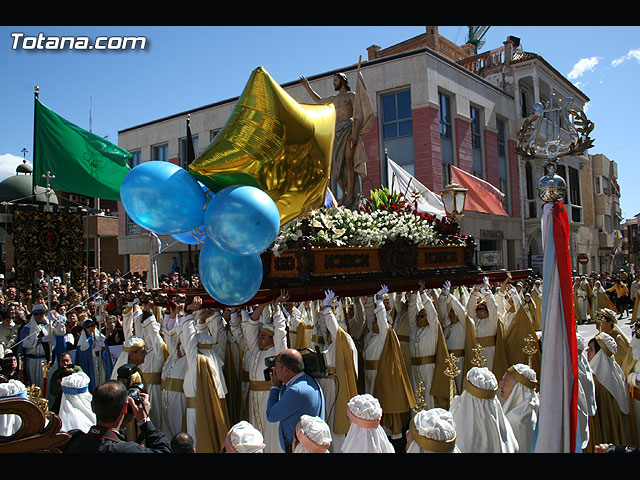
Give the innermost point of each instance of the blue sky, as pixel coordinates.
(186, 67)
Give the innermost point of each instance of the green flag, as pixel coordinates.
(82, 162)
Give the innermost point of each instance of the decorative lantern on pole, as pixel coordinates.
(453, 197)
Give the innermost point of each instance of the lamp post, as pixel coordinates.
(453, 197)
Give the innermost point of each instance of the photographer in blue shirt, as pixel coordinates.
(293, 393)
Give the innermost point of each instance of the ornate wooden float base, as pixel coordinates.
(307, 271)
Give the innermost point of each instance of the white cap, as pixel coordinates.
(609, 342)
(313, 433)
(436, 424)
(12, 388)
(76, 380)
(365, 407)
(244, 438)
(132, 344)
(483, 378)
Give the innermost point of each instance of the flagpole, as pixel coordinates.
(36, 93)
(189, 160)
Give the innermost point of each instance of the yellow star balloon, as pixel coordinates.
(274, 143)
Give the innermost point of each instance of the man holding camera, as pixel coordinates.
(65, 368)
(111, 403)
(293, 393)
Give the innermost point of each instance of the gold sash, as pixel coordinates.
(152, 378)
(173, 384)
(425, 360)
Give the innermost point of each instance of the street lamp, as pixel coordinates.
(453, 197)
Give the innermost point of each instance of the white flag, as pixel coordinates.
(406, 183)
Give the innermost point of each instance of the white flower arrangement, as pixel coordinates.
(342, 227)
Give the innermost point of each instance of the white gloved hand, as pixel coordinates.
(383, 289)
(446, 288)
(329, 295)
(485, 284)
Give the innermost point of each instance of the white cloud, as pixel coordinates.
(631, 54)
(583, 65)
(8, 165)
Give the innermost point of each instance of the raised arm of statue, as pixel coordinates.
(316, 98)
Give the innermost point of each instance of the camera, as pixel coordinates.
(134, 389)
(126, 372)
(134, 392)
(314, 363)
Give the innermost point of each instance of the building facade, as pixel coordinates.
(436, 104)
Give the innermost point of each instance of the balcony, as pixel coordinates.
(101, 226)
(606, 240)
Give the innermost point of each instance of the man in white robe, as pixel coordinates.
(205, 390)
(481, 424)
(633, 378)
(259, 341)
(483, 310)
(520, 403)
(428, 351)
(174, 403)
(37, 342)
(587, 406)
(345, 380)
(366, 435)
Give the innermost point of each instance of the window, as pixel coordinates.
(397, 130)
(476, 142)
(445, 116)
(213, 133)
(135, 159)
(446, 137)
(523, 104)
(160, 153)
(531, 196)
(502, 138)
(574, 195)
(396, 115)
(596, 186)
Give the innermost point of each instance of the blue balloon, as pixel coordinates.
(163, 197)
(197, 236)
(242, 219)
(230, 279)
